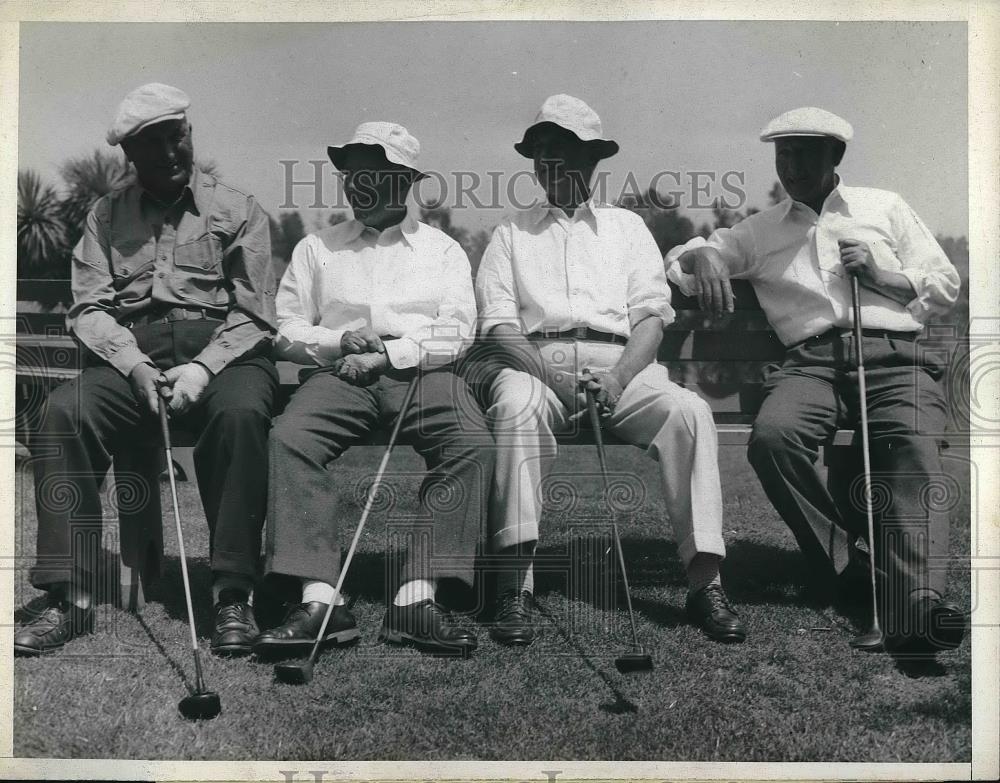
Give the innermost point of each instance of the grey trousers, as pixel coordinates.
(808, 397)
(324, 418)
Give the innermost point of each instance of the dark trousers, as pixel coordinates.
(324, 418)
(813, 393)
(95, 416)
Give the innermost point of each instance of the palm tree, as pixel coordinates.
(88, 178)
(41, 233)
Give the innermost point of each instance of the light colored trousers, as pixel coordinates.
(674, 425)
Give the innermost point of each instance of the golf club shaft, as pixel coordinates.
(863, 399)
(595, 423)
(165, 427)
(373, 490)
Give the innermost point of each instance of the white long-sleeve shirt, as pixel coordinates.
(411, 282)
(790, 255)
(599, 269)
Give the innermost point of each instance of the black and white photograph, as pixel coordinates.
(456, 391)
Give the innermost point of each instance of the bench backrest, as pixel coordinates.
(720, 358)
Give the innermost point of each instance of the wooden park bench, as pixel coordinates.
(722, 359)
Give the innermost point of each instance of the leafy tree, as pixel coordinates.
(661, 217)
(41, 232)
(87, 179)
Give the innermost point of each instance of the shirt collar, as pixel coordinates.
(404, 230)
(586, 211)
(836, 196)
(197, 193)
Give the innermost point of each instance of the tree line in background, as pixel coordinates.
(50, 221)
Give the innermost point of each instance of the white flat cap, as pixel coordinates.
(808, 121)
(399, 145)
(144, 106)
(575, 116)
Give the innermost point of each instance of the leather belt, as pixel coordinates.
(579, 333)
(158, 316)
(841, 334)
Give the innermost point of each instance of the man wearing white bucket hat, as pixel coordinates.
(575, 293)
(373, 304)
(800, 256)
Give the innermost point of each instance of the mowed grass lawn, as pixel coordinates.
(795, 691)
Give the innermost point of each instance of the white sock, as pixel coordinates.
(227, 581)
(77, 596)
(314, 590)
(414, 591)
(703, 570)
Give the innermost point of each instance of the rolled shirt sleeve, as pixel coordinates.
(496, 294)
(648, 294)
(90, 317)
(735, 246)
(441, 341)
(922, 260)
(251, 318)
(300, 339)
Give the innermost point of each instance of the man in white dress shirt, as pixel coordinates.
(800, 255)
(372, 303)
(575, 294)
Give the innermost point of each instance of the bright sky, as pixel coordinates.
(678, 96)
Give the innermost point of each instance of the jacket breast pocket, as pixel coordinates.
(198, 271)
(201, 255)
(131, 260)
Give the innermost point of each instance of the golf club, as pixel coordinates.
(871, 640)
(636, 659)
(301, 673)
(202, 704)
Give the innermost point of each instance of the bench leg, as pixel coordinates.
(140, 523)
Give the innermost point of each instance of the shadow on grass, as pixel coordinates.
(621, 705)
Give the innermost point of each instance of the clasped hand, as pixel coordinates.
(180, 386)
(607, 390)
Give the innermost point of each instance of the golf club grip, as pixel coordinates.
(164, 420)
(393, 436)
(595, 424)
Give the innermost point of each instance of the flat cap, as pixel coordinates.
(145, 106)
(808, 121)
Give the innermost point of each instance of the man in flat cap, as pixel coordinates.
(172, 287)
(800, 256)
(574, 292)
(374, 304)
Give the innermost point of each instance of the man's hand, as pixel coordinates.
(361, 369)
(143, 379)
(715, 294)
(607, 389)
(362, 340)
(184, 385)
(857, 259)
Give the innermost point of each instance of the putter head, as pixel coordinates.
(868, 642)
(294, 673)
(635, 660)
(200, 706)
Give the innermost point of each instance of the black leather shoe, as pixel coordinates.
(513, 622)
(930, 625)
(426, 625)
(297, 634)
(235, 626)
(709, 609)
(59, 622)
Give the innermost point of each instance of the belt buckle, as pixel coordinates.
(579, 332)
